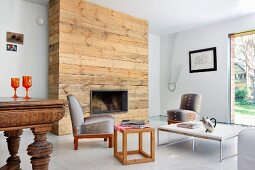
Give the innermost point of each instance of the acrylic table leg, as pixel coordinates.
(13, 141)
(40, 149)
(193, 143)
(220, 151)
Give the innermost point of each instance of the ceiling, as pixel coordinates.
(169, 16)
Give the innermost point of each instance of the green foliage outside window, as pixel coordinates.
(241, 95)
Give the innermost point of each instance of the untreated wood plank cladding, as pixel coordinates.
(92, 47)
(54, 12)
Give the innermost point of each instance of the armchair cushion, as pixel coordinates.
(105, 127)
(97, 118)
(97, 125)
(181, 115)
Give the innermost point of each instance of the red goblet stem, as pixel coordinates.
(27, 93)
(15, 94)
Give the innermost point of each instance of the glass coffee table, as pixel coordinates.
(221, 133)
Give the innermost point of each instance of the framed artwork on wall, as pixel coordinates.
(203, 60)
(16, 38)
(11, 47)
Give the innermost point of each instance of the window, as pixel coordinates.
(243, 78)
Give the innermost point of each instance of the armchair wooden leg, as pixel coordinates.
(110, 142)
(105, 139)
(75, 143)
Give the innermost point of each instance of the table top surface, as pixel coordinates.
(20, 102)
(221, 131)
(130, 129)
(28, 113)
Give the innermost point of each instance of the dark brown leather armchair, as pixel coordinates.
(100, 126)
(189, 107)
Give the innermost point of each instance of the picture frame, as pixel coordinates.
(11, 47)
(203, 60)
(12, 37)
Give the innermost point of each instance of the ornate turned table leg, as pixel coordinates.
(13, 140)
(40, 149)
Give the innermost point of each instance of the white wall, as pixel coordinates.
(166, 50)
(214, 85)
(154, 75)
(32, 57)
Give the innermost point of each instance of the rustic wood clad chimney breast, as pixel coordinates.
(95, 48)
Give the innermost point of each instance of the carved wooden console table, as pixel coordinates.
(37, 114)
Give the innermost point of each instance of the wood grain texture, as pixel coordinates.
(123, 155)
(95, 48)
(27, 112)
(54, 12)
(37, 114)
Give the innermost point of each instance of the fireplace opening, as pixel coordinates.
(108, 101)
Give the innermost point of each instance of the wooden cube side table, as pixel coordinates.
(122, 156)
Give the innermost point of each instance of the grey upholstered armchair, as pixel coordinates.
(189, 107)
(100, 126)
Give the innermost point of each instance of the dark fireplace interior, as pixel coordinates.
(108, 101)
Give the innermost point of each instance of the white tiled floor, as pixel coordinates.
(93, 154)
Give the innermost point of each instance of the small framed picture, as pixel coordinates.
(13, 37)
(11, 47)
(203, 60)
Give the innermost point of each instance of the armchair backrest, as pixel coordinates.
(191, 102)
(76, 111)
